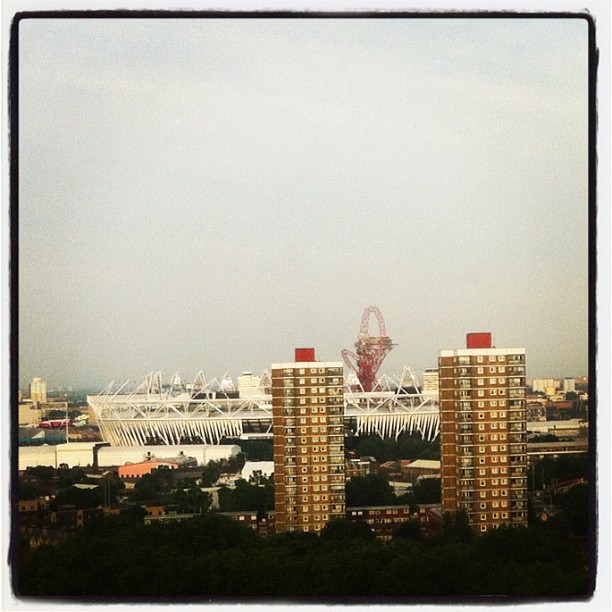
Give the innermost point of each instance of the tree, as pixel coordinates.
(369, 490)
(247, 496)
(427, 491)
(343, 529)
(575, 509)
(81, 499)
(191, 499)
(211, 473)
(456, 527)
(409, 530)
(153, 486)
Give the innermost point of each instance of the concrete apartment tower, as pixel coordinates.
(38, 390)
(483, 433)
(308, 427)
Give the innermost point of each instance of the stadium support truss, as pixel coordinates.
(207, 412)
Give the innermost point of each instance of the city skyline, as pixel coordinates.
(208, 194)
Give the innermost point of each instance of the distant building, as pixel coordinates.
(483, 433)
(536, 411)
(360, 466)
(382, 520)
(248, 385)
(431, 383)
(138, 470)
(569, 385)
(309, 469)
(547, 386)
(421, 467)
(246, 517)
(38, 390)
(29, 413)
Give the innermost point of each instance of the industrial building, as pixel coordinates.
(483, 433)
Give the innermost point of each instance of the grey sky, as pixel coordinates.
(209, 194)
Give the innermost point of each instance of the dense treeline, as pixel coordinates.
(388, 449)
(212, 556)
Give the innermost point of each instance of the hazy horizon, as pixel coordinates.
(209, 194)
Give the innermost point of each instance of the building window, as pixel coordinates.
(492, 370)
(481, 426)
(481, 381)
(480, 393)
(479, 359)
(481, 415)
(480, 370)
(481, 404)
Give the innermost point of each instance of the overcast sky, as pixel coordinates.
(209, 194)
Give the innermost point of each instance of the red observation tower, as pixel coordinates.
(370, 350)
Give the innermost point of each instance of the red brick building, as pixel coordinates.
(483, 433)
(309, 467)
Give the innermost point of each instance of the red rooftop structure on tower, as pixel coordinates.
(479, 340)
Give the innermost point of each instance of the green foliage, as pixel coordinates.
(410, 530)
(79, 498)
(214, 469)
(405, 447)
(211, 472)
(154, 486)
(254, 450)
(369, 490)
(427, 491)
(456, 527)
(70, 476)
(574, 515)
(547, 472)
(543, 438)
(247, 496)
(191, 499)
(212, 557)
(42, 472)
(343, 529)
(27, 492)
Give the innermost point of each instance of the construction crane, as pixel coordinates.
(370, 350)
